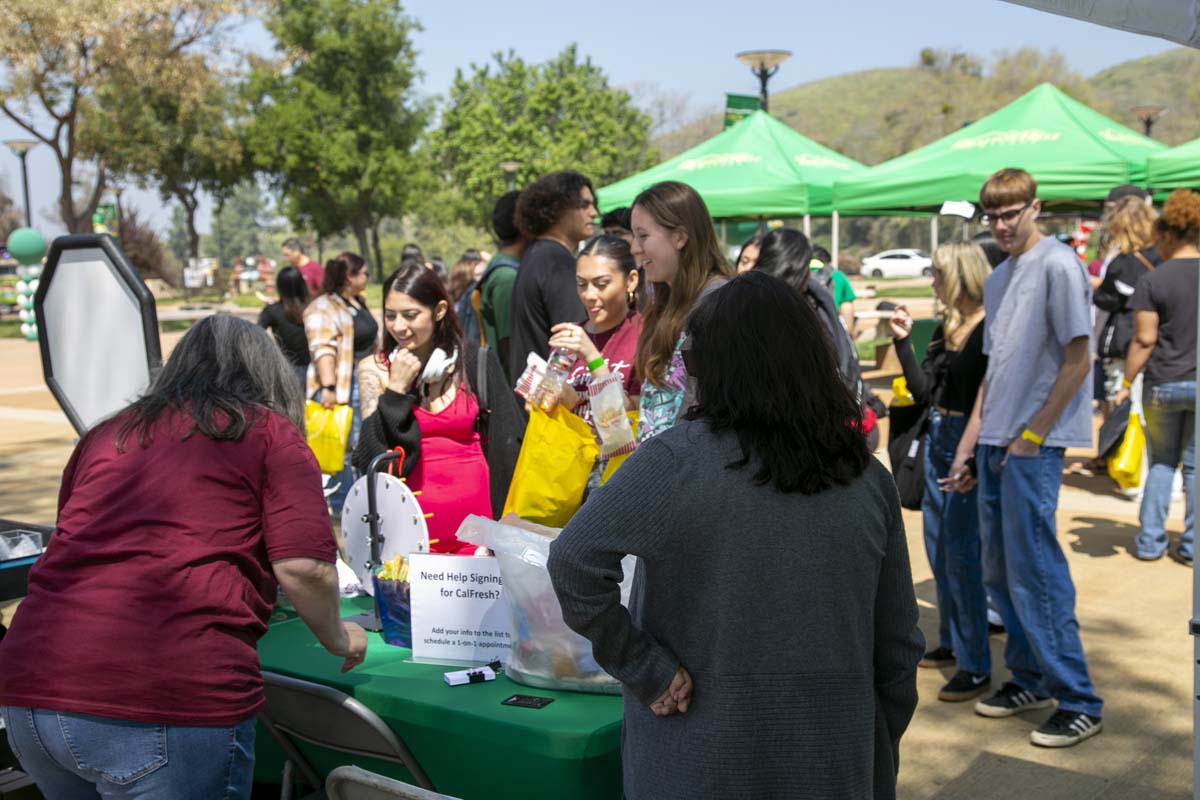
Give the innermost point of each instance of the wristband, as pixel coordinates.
(1126, 384)
(596, 364)
(1030, 436)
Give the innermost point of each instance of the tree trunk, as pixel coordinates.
(378, 252)
(364, 246)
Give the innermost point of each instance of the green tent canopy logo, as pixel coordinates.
(822, 162)
(1006, 138)
(719, 160)
(1123, 137)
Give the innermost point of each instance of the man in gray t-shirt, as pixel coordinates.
(1036, 304)
(1032, 405)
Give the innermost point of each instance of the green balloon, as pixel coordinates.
(26, 245)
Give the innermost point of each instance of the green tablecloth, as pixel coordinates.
(470, 745)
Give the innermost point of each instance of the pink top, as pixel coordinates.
(452, 473)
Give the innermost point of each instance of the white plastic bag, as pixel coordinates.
(545, 652)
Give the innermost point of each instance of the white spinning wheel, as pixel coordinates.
(402, 527)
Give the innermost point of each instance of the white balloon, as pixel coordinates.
(22, 287)
(33, 284)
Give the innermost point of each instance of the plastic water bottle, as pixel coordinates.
(550, 389)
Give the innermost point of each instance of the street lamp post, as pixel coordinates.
(764, 64)
(22, 147)
(509, 168)
(1149, 115)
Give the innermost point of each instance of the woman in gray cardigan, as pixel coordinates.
(772, 641)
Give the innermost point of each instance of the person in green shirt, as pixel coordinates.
(496, 284)
(837, 283)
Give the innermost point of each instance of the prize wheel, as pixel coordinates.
(402, 528)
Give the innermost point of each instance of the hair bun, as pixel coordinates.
(1182, 210)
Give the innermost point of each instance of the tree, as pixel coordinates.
(558, 115)
(145, 250)
(11, 217)
(241, 225)
(180, 139)
(177, 234)
(54, 55)
(333, 127)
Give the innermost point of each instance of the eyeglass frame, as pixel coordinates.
(1008, 217)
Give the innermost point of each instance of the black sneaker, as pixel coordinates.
(964, 686)
(1066, 728)
(1011, 699)
(995, 629)
(941, 657)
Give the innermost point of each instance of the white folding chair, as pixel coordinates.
(356, 783)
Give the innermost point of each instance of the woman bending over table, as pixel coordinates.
(419, 393)
(771, 645)
(130, 669)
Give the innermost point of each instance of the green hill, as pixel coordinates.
(881, 113)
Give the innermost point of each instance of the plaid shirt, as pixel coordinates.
(329, 326)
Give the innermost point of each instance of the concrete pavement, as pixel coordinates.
(1133, 616)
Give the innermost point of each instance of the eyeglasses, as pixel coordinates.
(1007, 217)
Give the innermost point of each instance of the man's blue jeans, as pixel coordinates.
(1170, 434)
(81, 757)
(952, 544)
(1027, 577)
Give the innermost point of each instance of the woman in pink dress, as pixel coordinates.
(419, 393)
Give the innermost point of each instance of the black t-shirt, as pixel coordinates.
(366, 331)
(1170, 291)
(290, 335)
(543, 296)
(961, 371)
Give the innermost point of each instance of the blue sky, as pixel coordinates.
(685, 48)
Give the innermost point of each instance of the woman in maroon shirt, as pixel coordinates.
(130, 669)
(606, 278)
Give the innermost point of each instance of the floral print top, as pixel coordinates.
(659, 406)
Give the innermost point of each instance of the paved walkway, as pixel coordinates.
(1134, 618)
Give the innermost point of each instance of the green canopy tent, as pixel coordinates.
(758, 168)
(1075, 153)
(1175, 168)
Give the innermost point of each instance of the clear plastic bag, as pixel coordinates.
(545, 652)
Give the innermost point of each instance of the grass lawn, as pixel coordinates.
(866, 350)
(904, 291)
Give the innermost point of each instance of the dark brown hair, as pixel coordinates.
(424, 286)
(543, 203)
(338, 271)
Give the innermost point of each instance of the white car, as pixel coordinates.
(907, 263)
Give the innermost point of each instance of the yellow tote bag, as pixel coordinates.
(552, 470)
(328, 431)
(1125, 465)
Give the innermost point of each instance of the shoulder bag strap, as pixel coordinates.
(1145, 261)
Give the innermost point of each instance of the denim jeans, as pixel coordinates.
(81, 757)
(1027, 577)
(1170, 435)
(952, 544)
(346, 477)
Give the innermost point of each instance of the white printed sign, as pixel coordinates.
(459, 614)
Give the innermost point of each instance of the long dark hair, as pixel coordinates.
(221, 373)
(784, 400)
(615, 249)
(338, 271)
(424, 286)
(786, 253)
(293, 293)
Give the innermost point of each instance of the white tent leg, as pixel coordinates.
(933, 233)
(808, 226)
(834, 239)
